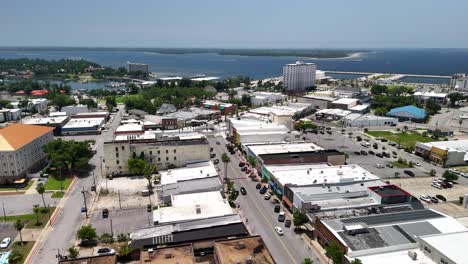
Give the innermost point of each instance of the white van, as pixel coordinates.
(365, 144)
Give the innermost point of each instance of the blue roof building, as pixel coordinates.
(409, 112)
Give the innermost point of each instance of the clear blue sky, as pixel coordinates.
(238, 23)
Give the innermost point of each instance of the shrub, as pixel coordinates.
(106, 238)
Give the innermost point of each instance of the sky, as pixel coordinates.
(236, 24)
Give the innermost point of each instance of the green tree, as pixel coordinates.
(432, 172)
(225, 159)
(148, 171)
(88, 102)
(334, 253)
(73, 253)
(449, 176)
(70, 154)
(19, 225)
(307, 261)
(455, 97)
(124, 251)
(87, 233)
(16, 256)
(252, 161)
(381, 111)
(377, 89)
(432, 107)
(136, 166)
(36, 211)
(356, 261)
(111, 103)
(40, 189)
(299, 217)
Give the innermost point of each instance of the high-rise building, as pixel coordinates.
(459, 82)
(135, 67)
(298, 76)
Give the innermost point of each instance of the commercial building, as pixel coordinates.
(242, 250)
(83, 126)
(423, 97)
(459, 82)
(100, 259)
(169, 255)
(415, 236)
(317, 101)
(445, 153)
(223, 108)
(101, 114)
(360, 109)
(137, 67)
(298, 76)
(331, 114)
(166, 109)
(21, 150)
(410, 112)
(56, 122)
(266, 98)
(313, 174)
(197, 177)
(345, 103)
(7, 115)
(247, 131)
(347, 91)
(358, 120)
(165, 149)
(74, 109)
(296, 110)
(39, 105)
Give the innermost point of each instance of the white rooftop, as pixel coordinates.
(307, 174)
(399, 256)
(192, 172)
(129, 127)
(283, 148)
(84, 122)
(184, 207)
(431, 94)
(46, 120)
(346, 101)
(360, 107)
(451, 245)
(460, 145)
(334, 111)
(199, 79)
(58, 114)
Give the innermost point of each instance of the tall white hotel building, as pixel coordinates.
(298, 76)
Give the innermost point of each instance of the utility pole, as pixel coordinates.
(4, 214)
(120, 203)
(84, 199)
(61, 180)
(112, 230)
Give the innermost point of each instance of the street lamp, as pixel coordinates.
(84, 199)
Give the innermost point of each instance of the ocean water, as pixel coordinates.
(407, 61)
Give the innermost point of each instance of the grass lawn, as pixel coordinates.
(405, 139)
(54, 184)
(120, 99)
(58, 194)
(12, 188)
(30, 219)
(397, 164)
(24, 249)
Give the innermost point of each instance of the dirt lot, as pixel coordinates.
(130, 194)
(418, 186)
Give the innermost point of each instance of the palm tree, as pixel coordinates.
(225, 159)
(36, 211)
(19, 226)
(40, 189)
(460, 121)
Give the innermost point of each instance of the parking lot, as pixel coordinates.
(129, 189)
(419, 186)
(123, 221)
(7, 229)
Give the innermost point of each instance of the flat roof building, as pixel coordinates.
(182, 254)
(74, 109)
(446, 153)
(242, 250)
(345, 103)
(83, 126)
(359, 120)
(57, 122)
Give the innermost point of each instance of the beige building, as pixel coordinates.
(165, 153)
(21, 150)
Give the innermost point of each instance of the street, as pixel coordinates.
(289, 248)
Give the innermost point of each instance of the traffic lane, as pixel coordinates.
(233, 172)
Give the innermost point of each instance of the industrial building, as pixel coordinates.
(347, 91)
(445, 153)
(21, 150)
(331, 114)
(83, 126)
(74, 109)
(266, 98)
(197, 177)
(408, 113)
(345, 103)
(358, 120)
(317, 101)
(407, 236)
(298, 76)
(163, 148)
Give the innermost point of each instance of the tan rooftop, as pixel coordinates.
(110, 259)
(240, 250)
(170, 255)
(16, 136)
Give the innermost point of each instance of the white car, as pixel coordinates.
(378, 166)
(435, 180)
(279, 230)
(436, 185)
(425, 198)
(106, 251)
(417, 164)
(5, 242)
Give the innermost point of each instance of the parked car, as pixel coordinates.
(105, 213)
(241, 164)
(216, 161)
(213, 155)
(375, 146)
(211, 149)
(263, 190)
(417, 164)
(243, 168)
(371, 152)
(258, 186)
(5, 242)
(365, 144)
(436, 185)
(243, 191)
(378, 166)
(217, 143)
(410, 173)
(434, 200)
(287, 223)
(441, 197)
(425, 198)
(363, 152)
(267, 196)
(277, 208)
(379, 155)
(279, 230)
(106, 251)
(282, 216)
(357, 152)
(389, 165)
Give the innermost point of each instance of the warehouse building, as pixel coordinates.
(345, 103)
(317, 101)
(445, 153)
(408, 113)
(358, 120)
(56, 122)
(83, 126)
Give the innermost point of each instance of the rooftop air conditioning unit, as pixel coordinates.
(240, 245)
(413, 255)
(168, 255)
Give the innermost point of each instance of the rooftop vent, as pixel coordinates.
(413, 255)
(240, 245)
(167, 255)
(198, 209)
